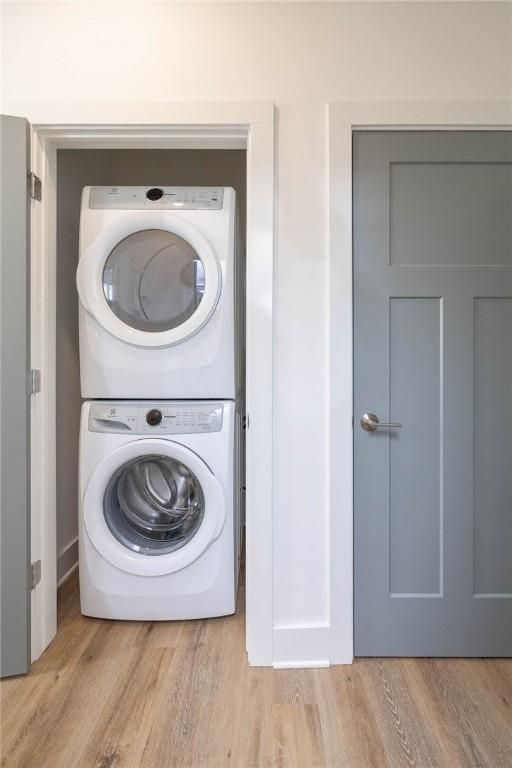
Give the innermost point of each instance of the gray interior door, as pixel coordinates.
(433, 352)
(14, 397)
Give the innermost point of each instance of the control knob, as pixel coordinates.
(154, 417)
(154, 194)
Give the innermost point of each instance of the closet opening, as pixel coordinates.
(172, 483)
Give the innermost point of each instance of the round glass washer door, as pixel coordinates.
(152, 506)
(150, 279)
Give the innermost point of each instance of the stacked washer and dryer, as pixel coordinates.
(161, 322)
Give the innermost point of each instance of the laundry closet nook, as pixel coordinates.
(161, 457)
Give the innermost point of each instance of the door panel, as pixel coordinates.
(433, 352)
(15, 418)
(414, 378)
(436, 209)
(492, 446)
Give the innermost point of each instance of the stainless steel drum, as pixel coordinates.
(153, 505)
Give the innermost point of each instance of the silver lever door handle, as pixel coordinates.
(370, 422)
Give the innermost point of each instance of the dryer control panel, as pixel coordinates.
(156, 198)
(162, 418)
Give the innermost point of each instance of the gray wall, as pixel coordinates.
(77, 168)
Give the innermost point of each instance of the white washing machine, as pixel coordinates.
(159, 524)
(160, 290)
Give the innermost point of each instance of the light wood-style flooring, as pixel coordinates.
(177, 695)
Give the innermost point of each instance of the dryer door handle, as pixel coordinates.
(80, 285)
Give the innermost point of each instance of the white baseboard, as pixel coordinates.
(67, 575)
(301, 646)
(300, 664)
(67, 561)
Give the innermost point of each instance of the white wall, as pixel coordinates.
(300, 56)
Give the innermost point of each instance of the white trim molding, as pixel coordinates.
(343, 119)
(164, 125)
(301, 646)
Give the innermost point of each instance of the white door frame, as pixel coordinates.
(343, 119)
(163, 125)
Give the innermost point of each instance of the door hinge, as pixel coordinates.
(35, 574)
(34, 381)
(35, 187)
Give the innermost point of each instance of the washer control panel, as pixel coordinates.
(183, 418)
(156, 198)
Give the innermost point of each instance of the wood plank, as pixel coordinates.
(181, 695)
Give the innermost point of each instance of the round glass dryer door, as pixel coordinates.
(150, 279)
(153, 280)
(153, 504)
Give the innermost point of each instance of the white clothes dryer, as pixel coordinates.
(160, 293)
(159, 523)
